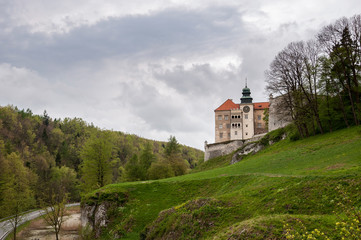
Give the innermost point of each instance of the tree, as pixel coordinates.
(18, 197)
(54, 207)
(172, 146)
(146, 159)
(62, 183)
(132, 169)
(174, 157)
(64, 179)
(159, 170)
(341, 42)
(95, 168)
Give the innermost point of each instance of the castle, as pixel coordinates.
(237, 125)
(240, 121)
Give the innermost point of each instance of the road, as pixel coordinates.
(6, 227)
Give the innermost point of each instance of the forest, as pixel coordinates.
(45, 160)
(320, 80)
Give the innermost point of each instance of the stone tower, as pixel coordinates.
(247, 113)
(246, 95)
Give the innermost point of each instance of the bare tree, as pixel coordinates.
(285, 77)
(54, 212)
(56, 197)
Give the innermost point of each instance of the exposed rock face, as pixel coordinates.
(224, 148)
(250, 148)
(99, 209)
(95, 217)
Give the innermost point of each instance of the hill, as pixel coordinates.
(48, 149)
(308, 184)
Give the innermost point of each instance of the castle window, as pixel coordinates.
(246, 133)
(245, 116)
(219, 117)
(239, 116)
(259, 117)
(235, 132)
(220, 126)
(228, 125)
(239, 125)
(232, 116)
(226, 117)
(246, 125)
(229, 135)
(259, 125)
(220, 135)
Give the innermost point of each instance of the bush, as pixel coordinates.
(159, 170)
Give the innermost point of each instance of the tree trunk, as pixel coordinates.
(328, 112)
(343, 110)
(14, 232)
(352, 103)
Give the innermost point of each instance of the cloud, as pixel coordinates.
(152, 68)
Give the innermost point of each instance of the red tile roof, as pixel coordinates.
(227, 105)
(261, 105)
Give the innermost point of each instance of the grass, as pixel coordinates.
(286, 181)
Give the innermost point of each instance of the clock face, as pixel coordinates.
(246, 109)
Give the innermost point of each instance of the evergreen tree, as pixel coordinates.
(174, 157)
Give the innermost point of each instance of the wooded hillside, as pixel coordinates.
(39, 153)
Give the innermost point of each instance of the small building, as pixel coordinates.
(240, 121)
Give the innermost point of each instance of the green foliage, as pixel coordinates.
(159, 170)
(96, 169)
(146, 159)
(172, 147)
(348, 225)
(133, 171)
(15, 188)
(50, 148)
(187, 221)
(266, 117)
(16, 181)
(174, 158)
(64, 179)
(252, 199)
(217, 162)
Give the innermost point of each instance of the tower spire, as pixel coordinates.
(246, 95)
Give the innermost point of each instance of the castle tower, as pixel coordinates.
(246, 95)
(247, 113)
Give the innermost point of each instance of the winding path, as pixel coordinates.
(6, 227)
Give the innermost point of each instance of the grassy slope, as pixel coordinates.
(284, 181)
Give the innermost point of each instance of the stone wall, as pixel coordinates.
(224, 148)
(279, 115)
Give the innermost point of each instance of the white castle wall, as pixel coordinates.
(279, 115)
(220, 149)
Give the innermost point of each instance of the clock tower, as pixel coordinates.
(247, 113)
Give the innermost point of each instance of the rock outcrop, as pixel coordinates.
(95, 217)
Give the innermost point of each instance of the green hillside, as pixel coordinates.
(309, 183)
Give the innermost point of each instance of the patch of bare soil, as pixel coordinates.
(40, 230)
(336, 166)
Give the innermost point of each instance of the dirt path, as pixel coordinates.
(40, 230)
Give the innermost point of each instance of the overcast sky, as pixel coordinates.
(151, 68)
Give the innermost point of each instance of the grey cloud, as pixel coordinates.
(164, 113)
(150, 36)
(201, 80)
